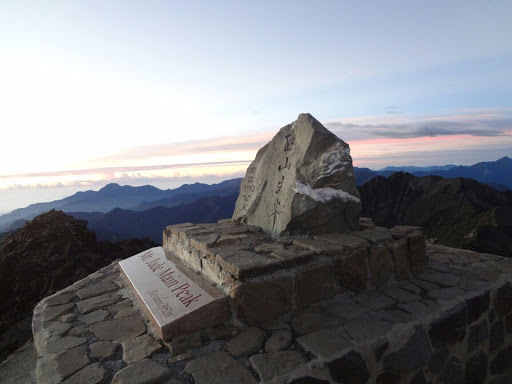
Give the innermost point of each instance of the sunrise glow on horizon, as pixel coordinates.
(169, 92)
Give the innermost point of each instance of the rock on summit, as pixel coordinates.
(301, 182)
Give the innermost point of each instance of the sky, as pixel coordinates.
(172, 92)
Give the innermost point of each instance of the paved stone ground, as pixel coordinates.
(94, 332)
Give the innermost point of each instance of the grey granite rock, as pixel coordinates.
(219, 368)
(64, 343)
(301, 182)
(374, 299)
(184, 343)
(415, 353)
(94, 317)
(139, 348)
(279, 341)
(222, 332)
(97, 302)
(122, 329)
(367, 327)
(65, 364)
(395, 316)
(323, 343)
(272, 364)
(126, 313)
(310, 319)
(92, 374)
(56, 328)
(398, 294)
(51, 313)
(142, 372)
(247, 342)
(96, 289)
(275, 325)
(59, 299)
(443, 279)
(102, 349)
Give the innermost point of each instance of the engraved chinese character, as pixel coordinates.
(287, 165)
(275, 212)
(252, 170)
(290, 140)
(244, 207)
(280, 185)
(250, 179)
(247, 197)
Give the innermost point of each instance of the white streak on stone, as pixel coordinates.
(334, 160)
(325, 194)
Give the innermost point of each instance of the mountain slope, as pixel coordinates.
(122, 224)
(126, 197)
(457, 212)
(499, 172)
(49, 253)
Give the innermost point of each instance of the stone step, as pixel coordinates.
(176, 300)
(266, 278)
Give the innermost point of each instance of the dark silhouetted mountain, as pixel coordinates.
(497, 174)
(122, 224)
(126, 197)
(48, 254)
(226, 188)
(362, 175)
(410, 169)
(457, 212)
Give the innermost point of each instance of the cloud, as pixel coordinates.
(113, 170)
(427, 128)
(195, 147)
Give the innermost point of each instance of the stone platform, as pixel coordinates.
(450, 323)
(267, 278)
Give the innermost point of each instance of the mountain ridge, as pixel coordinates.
(116, 196)
(460, 212)
(497, 174)
(120, 224)
(49, 253)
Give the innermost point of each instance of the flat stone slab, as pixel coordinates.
(319, 246)
(176, 300)
(219, 368)
(323, 343)
(122, 329)
(349, 242)
(142, 372)
(96, 290)
(373, 236)
(246, 343)
(367, 327)
(272, 364)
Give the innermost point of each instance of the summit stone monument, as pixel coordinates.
(301, 182)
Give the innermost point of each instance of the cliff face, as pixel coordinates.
(461, 213)
(49, 253)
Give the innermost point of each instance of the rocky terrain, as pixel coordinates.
(460, 212)
(48, 254)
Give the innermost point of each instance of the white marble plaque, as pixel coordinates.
(176, 300)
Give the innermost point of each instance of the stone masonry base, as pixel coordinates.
(450, 323)
(267, 278)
